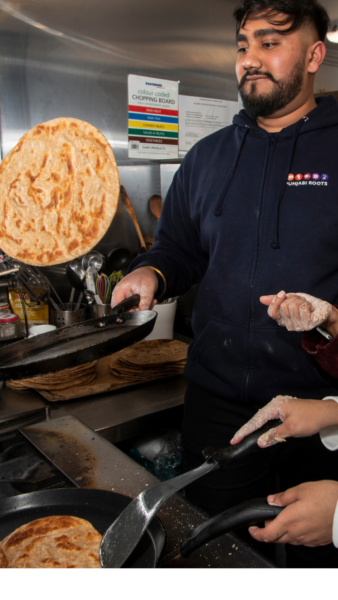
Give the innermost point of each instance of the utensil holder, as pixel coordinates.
(164, 324)
(100, 310)
(70, 316)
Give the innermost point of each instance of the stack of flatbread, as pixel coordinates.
(59, 191)
(149, 360)
(61, 380)
(52, 542)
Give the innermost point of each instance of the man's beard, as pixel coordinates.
(284, 91)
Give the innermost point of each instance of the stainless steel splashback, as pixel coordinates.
(72, 59)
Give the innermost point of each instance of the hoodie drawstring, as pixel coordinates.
(219, 206)
(275, 241)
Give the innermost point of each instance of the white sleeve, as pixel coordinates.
(329, 437)
(335, 527)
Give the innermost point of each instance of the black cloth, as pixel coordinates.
(209, 420)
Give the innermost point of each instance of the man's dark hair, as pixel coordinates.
(297, 13)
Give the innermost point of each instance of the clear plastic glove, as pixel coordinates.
(307, 519)
(298, 312)
(301, 418)
(142, 281)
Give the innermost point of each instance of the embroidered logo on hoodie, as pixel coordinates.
(308, 179)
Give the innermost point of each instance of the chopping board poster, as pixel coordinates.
(152, 118)
(202, 116)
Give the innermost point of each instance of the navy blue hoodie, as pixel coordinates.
(248, 215)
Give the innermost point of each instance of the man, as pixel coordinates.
(251, 208)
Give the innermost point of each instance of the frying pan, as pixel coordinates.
(76, 344)
(99, 507)
(242, 515)
(122, 537)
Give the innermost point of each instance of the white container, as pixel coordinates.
(164, 324)
(38, 329)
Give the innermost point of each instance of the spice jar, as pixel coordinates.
(10, 326)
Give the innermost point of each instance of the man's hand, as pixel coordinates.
(301, 312)
(301, 418)
(308, 518)
(142, 281)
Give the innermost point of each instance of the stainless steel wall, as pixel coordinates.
(72, 59)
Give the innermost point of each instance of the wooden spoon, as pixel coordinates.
(131, 212)
(155, 203)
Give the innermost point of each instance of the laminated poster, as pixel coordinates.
(152, 118)
(201, 116)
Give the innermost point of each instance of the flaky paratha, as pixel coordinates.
(59, 191)
(52, 542)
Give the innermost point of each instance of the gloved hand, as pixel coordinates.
(301, 418)
(307, 519)
(299, 312)
(142, 281)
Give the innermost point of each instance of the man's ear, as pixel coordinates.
(317, 55)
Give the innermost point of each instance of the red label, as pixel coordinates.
(151, 110)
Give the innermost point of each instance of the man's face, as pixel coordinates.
(270, 67)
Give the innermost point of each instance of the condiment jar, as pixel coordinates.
(10, 326)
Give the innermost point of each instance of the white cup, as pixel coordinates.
(38, 329)
(164, 324)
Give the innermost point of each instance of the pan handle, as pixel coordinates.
(247, 446)
(242, 515)
(126, 304)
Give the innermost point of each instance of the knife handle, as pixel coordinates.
(242, 515)
(126, 304)
(244, 448)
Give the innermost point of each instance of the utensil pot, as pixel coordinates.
(70, 316)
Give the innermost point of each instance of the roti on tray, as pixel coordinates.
(150, 359)
(61, 380)
(52, 542)
(59, 191)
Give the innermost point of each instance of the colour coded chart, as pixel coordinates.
(152, 118)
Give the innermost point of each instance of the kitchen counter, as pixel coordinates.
(121, 415)
(118, 415)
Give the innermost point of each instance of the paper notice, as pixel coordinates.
(201, 116)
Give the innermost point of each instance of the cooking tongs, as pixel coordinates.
(124, 534)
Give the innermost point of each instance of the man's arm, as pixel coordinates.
(177, 256)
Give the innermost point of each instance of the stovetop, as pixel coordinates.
(64, 452)
(20, 461)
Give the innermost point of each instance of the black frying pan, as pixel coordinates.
(99, 507)
(241, 515)
(77, 344)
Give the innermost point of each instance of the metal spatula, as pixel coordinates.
(124, 534)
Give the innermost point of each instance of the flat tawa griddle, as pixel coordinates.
(74, 345)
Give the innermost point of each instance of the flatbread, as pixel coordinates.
(52, 542)
(155, 352)
(148, 360)
(59, 191)
(3, 560)
(61, 380)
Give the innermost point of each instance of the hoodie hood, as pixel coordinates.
(324, 115)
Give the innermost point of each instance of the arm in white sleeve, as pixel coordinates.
(335, 528)
(329, 437)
